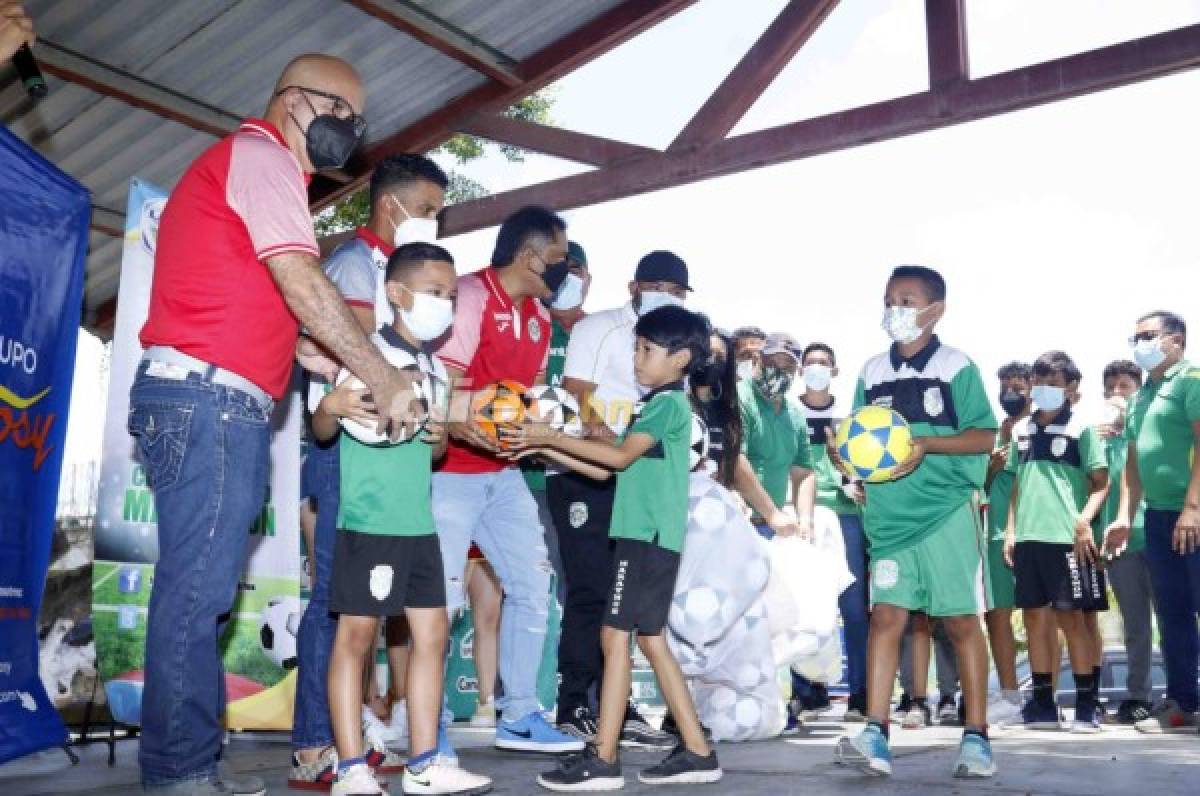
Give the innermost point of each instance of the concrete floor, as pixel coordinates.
(1119, 761)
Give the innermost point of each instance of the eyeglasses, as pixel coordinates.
(1143, 336)
(341, 109)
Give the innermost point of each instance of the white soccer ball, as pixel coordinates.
(278, 628)
(556, 407)
(399, 358)
(698, 451)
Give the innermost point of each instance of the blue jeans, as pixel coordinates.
(314, 641)
(206, 451)
(853, 603)
(1176, 582)
(498, 513)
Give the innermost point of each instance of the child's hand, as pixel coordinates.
(1116, 539)
(435, 427)
(352, 403)
(526, 436)
(1085, 544)
(1010, 542)
(915, 457)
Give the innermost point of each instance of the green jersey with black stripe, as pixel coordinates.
(940, 392)
(651, 501)
(1054, 462)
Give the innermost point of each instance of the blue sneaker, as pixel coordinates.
(974, 758)
(1087, 719)
(1035, 716)
(534, 734)
(868, 751)
(794, 722)
(445, 752)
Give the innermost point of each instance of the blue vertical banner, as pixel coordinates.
(44, 217)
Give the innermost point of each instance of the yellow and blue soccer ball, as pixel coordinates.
(873, 442)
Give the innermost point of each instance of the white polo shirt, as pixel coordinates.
(601, 352)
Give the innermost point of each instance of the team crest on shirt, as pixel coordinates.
(887, 573)
(934, 405)
(577, 514)
(535, 330)
(1058, 447)
(381, 582)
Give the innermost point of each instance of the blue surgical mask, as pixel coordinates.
(1047, 398)
(1149, 354)
(653, 299)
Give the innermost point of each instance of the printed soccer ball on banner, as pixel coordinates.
(873, 442)
(278, 628)
(368, 435)
(698, 451)
(497, 405)
(556, 407)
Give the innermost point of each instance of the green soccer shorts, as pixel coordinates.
(943, 575)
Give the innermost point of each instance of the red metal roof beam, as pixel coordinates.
(1063, 78)
(758, 68)
(579, 147)
(946, 41)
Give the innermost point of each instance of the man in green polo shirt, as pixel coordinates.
(1127, 570)
(776, 433)
(1164, 430)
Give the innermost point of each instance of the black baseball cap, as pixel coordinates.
(662, 266)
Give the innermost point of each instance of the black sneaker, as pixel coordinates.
(637, 733)
(902, 707)
(671, 728)
(1131, 711)
(682, 767)
(579, 723)
(584, 771)
(815, 703)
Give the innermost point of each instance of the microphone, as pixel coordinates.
(29, 72)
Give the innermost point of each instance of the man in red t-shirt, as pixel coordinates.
(236, 272)
(502, 331)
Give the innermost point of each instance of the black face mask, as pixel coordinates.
(555, 274)
(1013, 403)
(329, 141)
(711, 375)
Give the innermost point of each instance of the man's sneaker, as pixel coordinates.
(377, 731)
(357, 781)
(579, 723)
(902, 707)
(974, 758)
(856, 708)
(1087, 719)
(682, 767)
(815, 703)
(868, 751)
(317, 775)
(585, 771)
(1036, 716)
(1168, 718)
(918, 716)
(534, 734)
(1003, 711)
(381, 759)
(1131, 711)
(439, 778)
(637, 733)
(485, 714)
(246, 786)
(947, 712)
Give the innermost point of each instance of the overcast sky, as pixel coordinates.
(1055, 227)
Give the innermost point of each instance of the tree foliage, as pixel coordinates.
(354, 210)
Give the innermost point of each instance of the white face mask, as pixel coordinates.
(1047, 398)
(653, 299)
(817, 377)
(429, 317)
(1149, 354)
(745, 370)
(901, 325)
(569, 295)
(413, 230)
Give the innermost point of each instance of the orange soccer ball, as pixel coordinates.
(497, 405)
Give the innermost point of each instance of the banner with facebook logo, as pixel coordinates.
(44, 219)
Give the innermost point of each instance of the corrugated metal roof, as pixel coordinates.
(228, 54)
